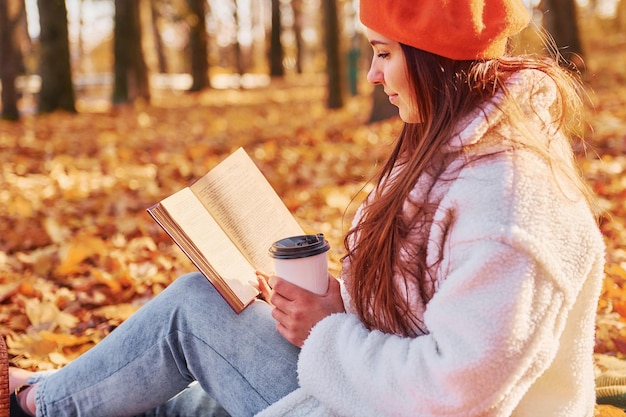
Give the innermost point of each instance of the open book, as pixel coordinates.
(225, 222)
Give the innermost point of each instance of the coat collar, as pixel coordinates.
(532, 91)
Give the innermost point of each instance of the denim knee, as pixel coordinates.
(191, 296)
(188, 283)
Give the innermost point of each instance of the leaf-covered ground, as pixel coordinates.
(79, 254)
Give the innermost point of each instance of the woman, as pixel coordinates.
(472, 271)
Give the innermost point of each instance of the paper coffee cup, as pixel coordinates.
(302, 260)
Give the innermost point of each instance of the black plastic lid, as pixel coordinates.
(299, 247)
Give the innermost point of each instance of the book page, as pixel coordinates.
(213, 244)
(246, 206)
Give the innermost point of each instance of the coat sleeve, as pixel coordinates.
(515, 254)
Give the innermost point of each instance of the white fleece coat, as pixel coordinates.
(510, 329)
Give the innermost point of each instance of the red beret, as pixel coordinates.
(457, 29)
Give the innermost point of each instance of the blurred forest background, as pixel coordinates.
(108, 106)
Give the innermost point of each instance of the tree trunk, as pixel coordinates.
(560, 20)
(333, 55)
(297, 28)
(8, 63)
(620, 16)
(23, 43)
(276, 46)
(81, 24)
(57, 91)
(158, 42)
(130, 70)
(239, 66)
(198, 45)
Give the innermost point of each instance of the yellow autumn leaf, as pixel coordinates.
(46, 315)
(79, 249)
(118, 312)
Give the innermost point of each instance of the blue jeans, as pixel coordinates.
(187, 333)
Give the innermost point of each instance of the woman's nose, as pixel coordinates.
(374, 75)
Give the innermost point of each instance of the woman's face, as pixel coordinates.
(389, 69)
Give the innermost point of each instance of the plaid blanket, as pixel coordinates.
(610, 373)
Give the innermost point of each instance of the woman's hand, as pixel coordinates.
(297, 310)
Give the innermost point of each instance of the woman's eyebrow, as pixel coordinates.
(375, 42)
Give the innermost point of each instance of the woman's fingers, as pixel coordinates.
(264, 286)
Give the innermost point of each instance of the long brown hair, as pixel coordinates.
(445, 91)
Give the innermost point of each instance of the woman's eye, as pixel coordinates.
(383, 55)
